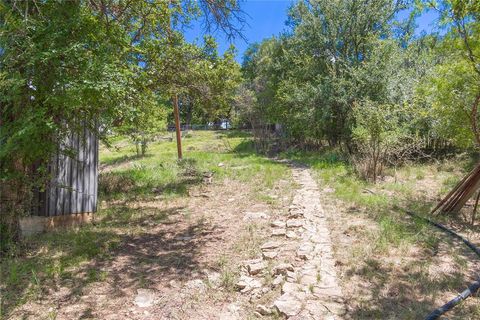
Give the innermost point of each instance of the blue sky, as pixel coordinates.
(266, 18)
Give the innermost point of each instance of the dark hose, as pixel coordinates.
(472, 288)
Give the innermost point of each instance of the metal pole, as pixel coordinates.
(176, 114)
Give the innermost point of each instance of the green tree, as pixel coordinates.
(309, 78)
(453, 88)
(65, 65)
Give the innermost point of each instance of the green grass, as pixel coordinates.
(396, 229)
(222, 155)
(386, 248)
(71, 257)
(50, 258)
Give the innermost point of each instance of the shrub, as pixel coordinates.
(381, 138)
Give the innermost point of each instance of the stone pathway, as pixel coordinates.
(308, 282)
(311, 290)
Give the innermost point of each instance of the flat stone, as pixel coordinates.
(248, 216)
(291, 287)
(282, 268)
(304, 251)
(317, 238)
(291, 234)
(263, 310)
(278, 280)
(270, 245)
(291, 276)
(311, 290)
(185, 238)
(294, 223)
(278, 232)
(295, 214)
(278, 224)
(246, 284)
(333, 292)
(145, 298)
(256, 268)
(308, 280)
(288, 304)
(318, 310)
(295, 206)
(231, 312)
(269, 254)
(327, 280)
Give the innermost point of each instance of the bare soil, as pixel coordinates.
(399, 283)
(186, 252)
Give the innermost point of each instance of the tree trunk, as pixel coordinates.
(177, 126)
(13, 200)
(473, 120)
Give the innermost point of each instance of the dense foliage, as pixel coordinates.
(344, 73)
(341, 63)
(66, 65)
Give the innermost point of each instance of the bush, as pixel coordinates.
(381, 138)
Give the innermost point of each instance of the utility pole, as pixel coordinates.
(176, 115)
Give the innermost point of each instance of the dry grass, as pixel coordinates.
(392, 266)
(160, 226)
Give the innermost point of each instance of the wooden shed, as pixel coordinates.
(70, 197)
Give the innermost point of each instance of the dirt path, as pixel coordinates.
(181, 259)
(313, 292)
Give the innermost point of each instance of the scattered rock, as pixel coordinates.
(291, 287)
(254, 216)
(282, 268)
(214, 279)
(278, 232)
(278, 224)
(173, 284)
(288, 304)
(291, 234)
(263, 310)
(255, 294)
(304, 251)
(196, 284)
(208, 177)
(246, 284)
(145, 298)
(295, 207)
(184, 238)
(294, 223)
(256, 268)
(232, 312)
(291, 276)
(269, 254)
(270, 245)
(278, 280)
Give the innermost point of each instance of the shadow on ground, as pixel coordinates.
(408, 292)
(128, 248)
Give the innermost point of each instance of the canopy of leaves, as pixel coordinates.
(69, 64)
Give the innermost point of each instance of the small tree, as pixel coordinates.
(144, 120)
(381, 138)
